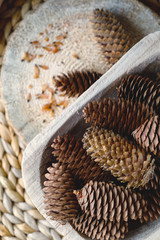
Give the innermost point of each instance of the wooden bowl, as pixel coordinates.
(37, 156)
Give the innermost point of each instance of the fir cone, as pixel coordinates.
(75, 83)
(154, 183)
(126, 161)
(110, 35)
(60, 201)
(158, 76)
(153, 202)
(110, 202)
(148, 135)
(141, 89)
(69, 151)
(121, 117)
(99, 229)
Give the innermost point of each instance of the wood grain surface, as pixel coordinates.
(141, 57)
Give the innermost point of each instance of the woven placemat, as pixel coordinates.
(19, 219)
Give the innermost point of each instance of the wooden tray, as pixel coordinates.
(72, 16)
(143, 56)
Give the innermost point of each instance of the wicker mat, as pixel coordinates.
(19, 219)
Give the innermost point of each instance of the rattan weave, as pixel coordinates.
(19, 219)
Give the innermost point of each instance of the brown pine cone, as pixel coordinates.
(69, 151)
(75, 83)
(126, 161)
(99, 230)
(141, 89)
(153, 202)
(121, 117)
(154, 183)
(148, 135)
(110, 35)
(60, 201)
(110, 202)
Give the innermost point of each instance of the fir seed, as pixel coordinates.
(34, 42)
(44, 87)
(76, 56)
(28, 97)
(40, 55)
(30, 86)
(55, 49)
(24, 56)
(36, 71)
(50, 26)
(44, 67)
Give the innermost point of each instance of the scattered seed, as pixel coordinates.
(40, 55)
(24, 56)
(61, 37)
(57, 43)
(53, 104)
(34, 42)
(42, 96)
(55, 49)
(52, 113)
(47, 107)
(76, 56)
(63, 103)
(50, 26)
(44, 87)
(27, 56)
(46, 39)
(30, 86)
(44, 67)
(30, 57)
(28, 97)
(47, 49)
(36, 71)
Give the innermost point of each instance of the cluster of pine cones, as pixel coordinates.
(113, 41)
(110, 178)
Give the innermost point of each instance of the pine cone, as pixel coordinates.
(114, 153)
(153, 202)
(148, 135)
(110, 35)
(141, 89)
(69, 151)
(121, 117)
(154, 183)
(110, 202)
(75, 83)
(60, 201)
(99, 230)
